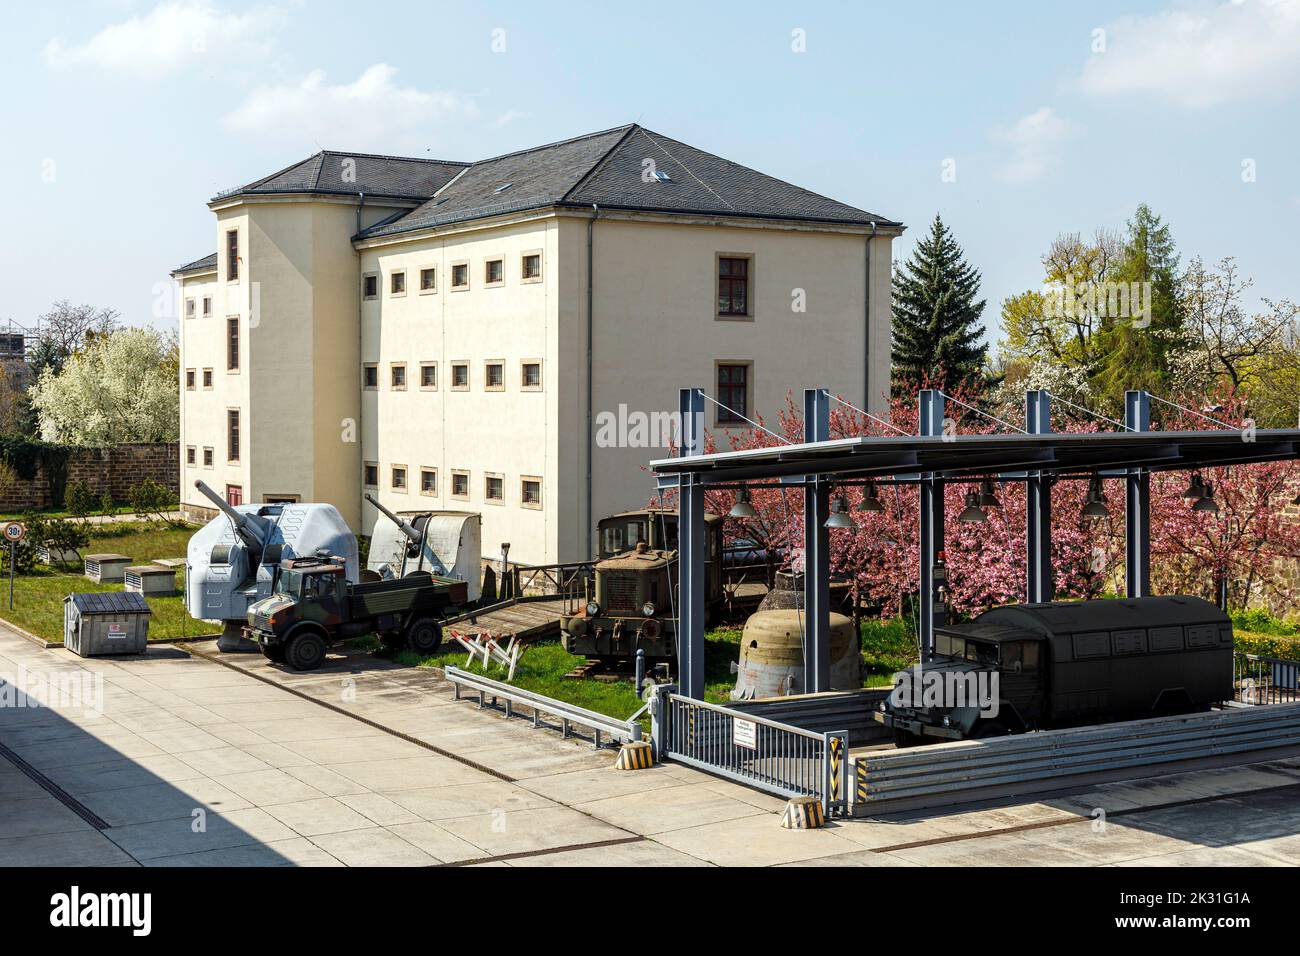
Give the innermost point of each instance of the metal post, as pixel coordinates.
(1137, 504)
(691, 544)
(640, 669)
(817, 543)
(13, 553)
(931, 404)
(1039, 583)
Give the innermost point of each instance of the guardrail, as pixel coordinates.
(838, 710)
(762, 753)
(1265, 680)
(569, 715)
(1047, 758)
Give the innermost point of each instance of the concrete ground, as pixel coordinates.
(192, 763)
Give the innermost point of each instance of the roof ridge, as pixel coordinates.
(688, 169)
(280, 172)
(591, 171)
(558, 142)
(404, 159)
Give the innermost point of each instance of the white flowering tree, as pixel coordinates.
(120, 387)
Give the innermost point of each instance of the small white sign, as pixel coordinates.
(744, 733)
(116, 632)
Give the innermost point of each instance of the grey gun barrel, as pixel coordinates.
(251, 529)
(406, 527)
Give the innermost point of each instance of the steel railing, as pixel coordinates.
(762, 753)
(1051, 756)
(569, 715)
(1265, 680)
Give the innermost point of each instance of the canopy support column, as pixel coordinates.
(693, 547)
(1039, 584)
(1137, 504)
(931, 404)
(817, 559)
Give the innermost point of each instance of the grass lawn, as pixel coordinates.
(887, 647)
(38, 597)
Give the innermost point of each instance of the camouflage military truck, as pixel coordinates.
(313, 605)
(631, 606)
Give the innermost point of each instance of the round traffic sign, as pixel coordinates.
(14, 531)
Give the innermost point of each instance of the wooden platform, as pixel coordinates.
(530, 620)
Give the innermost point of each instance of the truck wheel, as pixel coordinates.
(273, 653)
(424, 636)
(306, 652)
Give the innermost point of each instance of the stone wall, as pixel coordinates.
(114, 469)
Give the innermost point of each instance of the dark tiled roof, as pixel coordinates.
(110, 602)
(206, 264)
(536, 177)
(609, 169)
(340, 173)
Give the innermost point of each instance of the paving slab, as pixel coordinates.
(318, 816)
(517, 831)
(441, 844)
(37, 814)
(85, 846)
(379, 809)
(269, 787)
(178, 837)
(670, 808)
(297, 851)
(757, 840)
(374, 846)
(162, 801)
(582, 786)
(1203, 856)
(409, 773)
(644, 853)
(468, 799)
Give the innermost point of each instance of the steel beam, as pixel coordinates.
(817, 559)
(1137, 504)
(931, 405)
(692, 551)
(1039, 585)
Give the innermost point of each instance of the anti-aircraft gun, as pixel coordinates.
(442, 543)
(232, 560)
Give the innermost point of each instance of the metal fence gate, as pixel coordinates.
(765, 754)
(1265, 680)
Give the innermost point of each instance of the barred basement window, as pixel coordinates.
(530, 492)
(428, 481)
(530, 376)
(370, 375)
(399, 477)
(397, 377)
(370, 474)
(460, 275)
(397, 283)
(207, 457)
(493, 488)
(191, 454)
(429, 280)
(460, 484)
(189, 379)
(370, 286)
(459, 376)
(494, 376)
(530, 267)
(494, 271)
(429, 375)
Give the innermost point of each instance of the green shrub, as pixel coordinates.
(24, 558)
(889, 644)
(1259, 621)
(1268, 645)
(149, 499)
(106, 503)
(80, 501)
(60, 535)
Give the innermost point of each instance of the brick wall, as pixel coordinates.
(114, 469)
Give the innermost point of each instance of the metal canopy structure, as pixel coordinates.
(932, 459)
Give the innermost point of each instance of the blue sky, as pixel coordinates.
(122, 118)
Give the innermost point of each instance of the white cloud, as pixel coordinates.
(1034, 144)
(508, 117)
(172, 35)
(1201, 55)
(371, 112)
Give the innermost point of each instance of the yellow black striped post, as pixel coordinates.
(836, 751)
(635, 755)
(803, 813)
(861, 775)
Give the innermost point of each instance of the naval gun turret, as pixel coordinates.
(444, 543)
(232, 560)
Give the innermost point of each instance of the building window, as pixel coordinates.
(733, 394)
(232, 345)
(232, 434)
(493, 488)
(530, 492)
(207, 457)
(370, 285)
(370, 376)
(429, 376)
(235, 494)
(370, 474)
(189, 308)
(530, 375)
(397, 283)
(399, 477)
(530, 267)
(189, 379)
(207, 378)
(207, 306)
(460, 484)
(459, 376)
(397, 376)
(191, 455)
(429, 279)
(460, 275)
(494, 272)
(494, 376)
(733, 286)
(232, 255)
(428, 481)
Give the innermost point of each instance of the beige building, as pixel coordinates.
(508, 336)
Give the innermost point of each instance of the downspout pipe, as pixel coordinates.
(361, 341)
(866, 307)
(591, 326)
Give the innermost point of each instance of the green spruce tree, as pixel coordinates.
(1134, 348)
(938, 338)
